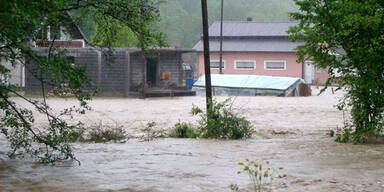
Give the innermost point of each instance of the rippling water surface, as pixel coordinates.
(314, 164)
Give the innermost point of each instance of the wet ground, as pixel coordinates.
(291, 134)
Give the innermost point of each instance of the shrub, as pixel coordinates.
(103, 134)
(223, 124)
(75, 135)
(183, 130)
(150, 133)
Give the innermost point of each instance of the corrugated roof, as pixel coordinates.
(251, 37)
(252, 45)
(249, 81)
(250, 29)
(164, 49)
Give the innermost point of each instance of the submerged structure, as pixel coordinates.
(251, 85)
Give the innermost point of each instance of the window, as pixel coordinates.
(215, 64)
(51, 32)
(274, 65)
(246, 65)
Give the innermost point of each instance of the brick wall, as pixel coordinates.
(58, 43)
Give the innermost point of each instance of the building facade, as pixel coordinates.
(257, 48)
(120, 72)
(67, 35)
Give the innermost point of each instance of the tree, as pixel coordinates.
(347, 38)
(21, 22)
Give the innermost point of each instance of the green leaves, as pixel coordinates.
(346, 37)
(224, 122)
(124, 23)
(22, 23)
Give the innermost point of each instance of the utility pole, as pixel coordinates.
(207, 67)
(221, 39)
(143, 59)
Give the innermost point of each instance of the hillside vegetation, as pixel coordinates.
(181, 19)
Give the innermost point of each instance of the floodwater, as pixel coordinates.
(310, 164)
(290, 133)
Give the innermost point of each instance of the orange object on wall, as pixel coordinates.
(165, 75)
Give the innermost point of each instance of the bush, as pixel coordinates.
(184, 130)
(75, 135)
(98, 134)
(103, 134)
(223, 124)
(150, 133)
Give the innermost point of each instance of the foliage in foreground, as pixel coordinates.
(347, 38)
(260, 177)
(24, 22)
(223, 124)
(184, 130)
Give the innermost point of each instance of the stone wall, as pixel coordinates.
(16, 75)
(108, 70)
(171, 61)
(115, 73)
(136, 70)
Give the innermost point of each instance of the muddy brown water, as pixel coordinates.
(291, 134)
(308, 164)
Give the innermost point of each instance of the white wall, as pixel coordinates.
(17, 74)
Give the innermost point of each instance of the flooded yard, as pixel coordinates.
(291, 133)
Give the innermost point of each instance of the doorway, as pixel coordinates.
(308, 74)
(151, 71)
